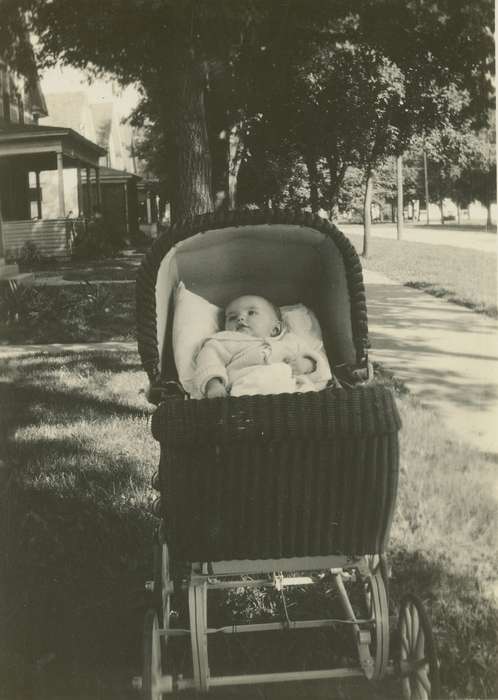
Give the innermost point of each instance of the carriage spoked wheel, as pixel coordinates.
(163, 584)
(417, 664)
(152, 669)
(375, 597)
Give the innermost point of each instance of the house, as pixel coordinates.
(118, 179)
(38, 163)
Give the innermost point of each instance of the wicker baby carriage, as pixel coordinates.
(254, 488)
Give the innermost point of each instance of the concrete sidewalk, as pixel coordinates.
(446, 355)
(458, 237)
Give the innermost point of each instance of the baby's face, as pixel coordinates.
(252, 315)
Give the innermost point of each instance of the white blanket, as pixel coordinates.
(271, 379)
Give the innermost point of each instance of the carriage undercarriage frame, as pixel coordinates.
(413, 662)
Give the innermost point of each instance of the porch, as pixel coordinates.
(41, 187)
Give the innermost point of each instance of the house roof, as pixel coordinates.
(38, 102)
(25, 132)
(66, 109)
(113, 174)
(102, 120)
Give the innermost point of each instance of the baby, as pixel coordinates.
(256, 355)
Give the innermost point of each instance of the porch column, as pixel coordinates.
(2, 247)
(126, 212)
(38, 194)
(149, 208)
(79, 186)
(60, 173)
(89, 192)
(97, 184)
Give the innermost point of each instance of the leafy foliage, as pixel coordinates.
(324, 84)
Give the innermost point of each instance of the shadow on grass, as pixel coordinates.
(73, 600)
(112, 361)
(75, 547)
(24, 402)
(464, 620)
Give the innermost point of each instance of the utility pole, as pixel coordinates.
(399, 187)
(426, 188)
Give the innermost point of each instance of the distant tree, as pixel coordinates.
(478, 177)
(369, 81)
(385, 185)
(461, 164)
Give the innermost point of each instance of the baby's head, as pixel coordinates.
(253, 315)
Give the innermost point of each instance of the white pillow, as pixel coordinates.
(194, 320)
(303, 322)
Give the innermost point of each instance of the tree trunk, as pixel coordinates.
(399, 187)
(488, 216)
(367, 215)
(313, 177)
(2, 246)
(234, 161)
(442, 213)
(336, 174)
(426, 189)
(192, 156)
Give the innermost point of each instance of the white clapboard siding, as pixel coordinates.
(48, 235)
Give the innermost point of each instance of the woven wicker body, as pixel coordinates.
(270, 476)
(282, 476)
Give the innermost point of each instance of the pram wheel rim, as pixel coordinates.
(152, 666)
(376, 599)
(417, 665)
(162, 579)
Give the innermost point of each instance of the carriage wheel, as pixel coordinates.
(377, 609)
(162, 582)
(198, 634)
(152, 657)
(418, 663)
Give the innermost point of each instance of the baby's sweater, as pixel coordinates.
(228, 355)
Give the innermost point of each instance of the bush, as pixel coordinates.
(17, 303)
(29, 256)
(93, 242)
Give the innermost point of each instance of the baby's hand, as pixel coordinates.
(215, 389)
(301, 364)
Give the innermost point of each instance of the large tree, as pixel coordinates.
(171, 49)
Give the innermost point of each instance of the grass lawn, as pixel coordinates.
(460, 275)
(77, 531)
(97, 305)
(80, 312)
